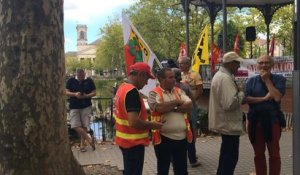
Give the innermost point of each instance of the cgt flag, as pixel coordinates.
(236, 47)
(214, 56)
(182, 50)
(200, 56)
(137, 50)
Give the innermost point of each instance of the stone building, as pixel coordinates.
(85, 50)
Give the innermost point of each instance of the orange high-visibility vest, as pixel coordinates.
(157, 116)
(126, 136)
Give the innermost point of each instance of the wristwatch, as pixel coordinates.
(175, 108)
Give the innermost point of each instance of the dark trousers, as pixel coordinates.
(133, 159)
(229, 154)
(191, 149)
(259, 147)
(174, 151)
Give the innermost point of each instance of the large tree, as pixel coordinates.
(33, 132)
(162, 25)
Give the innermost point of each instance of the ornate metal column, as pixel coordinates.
(268, 12)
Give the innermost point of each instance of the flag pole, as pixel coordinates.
(158, 62)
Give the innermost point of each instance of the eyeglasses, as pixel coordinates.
(263, 62)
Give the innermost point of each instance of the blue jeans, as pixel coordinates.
(229, 154)
(133, 159)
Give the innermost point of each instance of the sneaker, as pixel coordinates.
(196, 164)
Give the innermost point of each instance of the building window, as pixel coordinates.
(81, 36)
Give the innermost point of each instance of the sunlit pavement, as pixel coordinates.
(207, 148)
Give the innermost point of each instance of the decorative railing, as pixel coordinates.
(102, 121)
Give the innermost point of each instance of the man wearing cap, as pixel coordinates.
(225, 114)
(132, 127)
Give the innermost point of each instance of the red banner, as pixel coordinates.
(214, 56)
(236, 47)
(272, 45)
(182, 50)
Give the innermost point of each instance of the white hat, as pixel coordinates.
(232, 56)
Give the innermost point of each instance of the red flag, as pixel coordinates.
(236, 47)
(182, 50)
(214, 56)
(272, 45)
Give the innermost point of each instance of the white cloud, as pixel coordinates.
(83, 11)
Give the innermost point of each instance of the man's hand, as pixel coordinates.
(265, 75)
(156, 125)
(268, 97)
(179, 102)
(79, 95)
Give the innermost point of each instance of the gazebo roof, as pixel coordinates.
(242, 3)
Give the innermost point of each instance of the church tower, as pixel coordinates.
(81, 35)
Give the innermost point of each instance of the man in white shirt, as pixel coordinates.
(225, 114)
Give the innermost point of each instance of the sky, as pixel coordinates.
(93, 13)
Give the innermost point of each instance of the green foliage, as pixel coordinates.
(162, 25)
(104, 88)
(282, 25)
(232, 30)
(110, 51)
(71, 64)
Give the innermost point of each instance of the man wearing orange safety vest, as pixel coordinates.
(170, 105)
(132, 127)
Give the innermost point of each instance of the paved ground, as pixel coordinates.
(207, 149)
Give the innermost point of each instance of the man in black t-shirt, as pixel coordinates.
(132, 125)
(81, 90)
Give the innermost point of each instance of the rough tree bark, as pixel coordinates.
(33, 132)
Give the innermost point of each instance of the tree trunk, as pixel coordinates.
(33, 131)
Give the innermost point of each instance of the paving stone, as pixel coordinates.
(208, 149)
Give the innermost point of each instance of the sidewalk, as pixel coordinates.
(207, 148)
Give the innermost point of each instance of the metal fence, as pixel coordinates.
(102, 121)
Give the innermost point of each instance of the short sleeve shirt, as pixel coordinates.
(132, 101)
(174, 126)
(86, 86)
(256, 88)
(192, 78)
